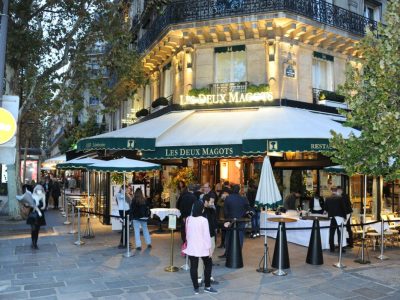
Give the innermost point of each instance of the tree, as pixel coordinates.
(44, 38)
(372, 93)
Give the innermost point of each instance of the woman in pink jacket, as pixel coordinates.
(199, 246)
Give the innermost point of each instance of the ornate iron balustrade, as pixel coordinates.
(228, 87)
(191, 10)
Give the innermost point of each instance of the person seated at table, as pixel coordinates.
(292, 201)
(317, 204)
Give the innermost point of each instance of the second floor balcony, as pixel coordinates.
(185, 11)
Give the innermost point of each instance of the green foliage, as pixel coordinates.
(73, 133)
(372, 94)
(185, 174)
(142, 113)
(252, 88)
(160, 101)
(117, 178)
(332, 96)
(197, 92)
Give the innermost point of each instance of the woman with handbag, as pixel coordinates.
(140, 214)
(199, 246)
(34, 219)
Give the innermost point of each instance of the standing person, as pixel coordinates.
(235, 206)
(34, 219)
(255, 218)
(211, 215)
(220, 213)
(207, 190)
(292, 201)
(140, 215)
(317, 204)
(48, 187)
(334, 206)
(56, 193)
(348, 209)
(199, 246)
(123, 201)
(185, 204)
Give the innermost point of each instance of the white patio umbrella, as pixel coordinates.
(268, 193)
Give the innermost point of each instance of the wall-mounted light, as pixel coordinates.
(189, 65)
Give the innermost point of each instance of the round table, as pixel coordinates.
(281, 253)
(162, 213)
(314, 252)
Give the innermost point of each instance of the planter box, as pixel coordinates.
(333, 104)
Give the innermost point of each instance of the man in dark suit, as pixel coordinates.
(334, 206)
(235, 206)
(184, 204)
(348, 210)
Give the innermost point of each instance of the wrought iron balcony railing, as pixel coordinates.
(182, 11)
(228, 87)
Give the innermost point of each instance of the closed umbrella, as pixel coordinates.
(267, 193)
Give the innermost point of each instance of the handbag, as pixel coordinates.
(184, 245)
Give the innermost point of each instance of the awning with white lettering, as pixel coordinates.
(214, 133)
(280, 129)
(140, 136)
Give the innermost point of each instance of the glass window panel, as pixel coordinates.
(223, 67)
(239, 66)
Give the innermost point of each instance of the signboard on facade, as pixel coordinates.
(227, 98)
(8, 126)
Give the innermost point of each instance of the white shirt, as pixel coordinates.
(317, 206)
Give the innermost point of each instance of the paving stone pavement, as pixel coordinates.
(98, 270)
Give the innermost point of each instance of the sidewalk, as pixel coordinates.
(97, 269)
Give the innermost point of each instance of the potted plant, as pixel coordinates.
(142, 113)
(162, 101)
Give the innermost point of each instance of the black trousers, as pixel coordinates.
(194, 264)
(35, 234)
(350, 240)
(55, 198)
(125, 227)
(332, 234)
(183, 229)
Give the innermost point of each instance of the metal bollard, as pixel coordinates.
(79, 242)
(64, 206)
(280, 271)
(67, 222)
(186, 265)
(339, 263)
(381, 256)
(171, 267)
(128, 252)
(73, 231)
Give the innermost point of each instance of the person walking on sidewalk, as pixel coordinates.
(140, 214)
(211, 215)
(34, 219)
(199, 246)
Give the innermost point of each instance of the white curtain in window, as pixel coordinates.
(230, 66)
(322, 74)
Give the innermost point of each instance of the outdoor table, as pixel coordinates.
(301, 236)
(281, 253)
(314, 253)
(162, 213)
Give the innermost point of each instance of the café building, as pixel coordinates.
(232, 81)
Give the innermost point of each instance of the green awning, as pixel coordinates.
(184, 152)
(122, 143)
(335, 170)
(283, 145)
